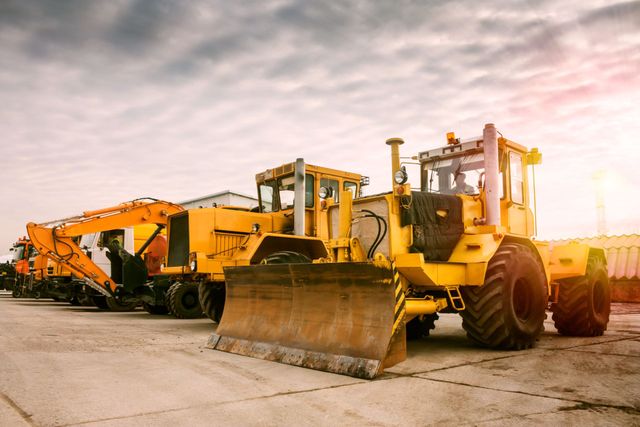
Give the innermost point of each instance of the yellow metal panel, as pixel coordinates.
(141, 234)
(475, 273)
(543, 251)
(474, 248)
(568, 260)
(517, 220)
(471, 209)
(414, 269)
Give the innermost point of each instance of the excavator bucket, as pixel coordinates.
(345, 318)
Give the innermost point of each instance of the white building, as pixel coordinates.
(223, 198)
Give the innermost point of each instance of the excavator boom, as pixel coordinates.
(55, 239)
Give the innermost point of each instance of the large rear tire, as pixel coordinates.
(508, 311)
(183, 300)
(115, 305)
(584, 303)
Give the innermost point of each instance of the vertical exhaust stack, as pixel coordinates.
(492, 177)
(395, 157)
(299, 205)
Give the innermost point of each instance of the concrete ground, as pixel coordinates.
(62, 365)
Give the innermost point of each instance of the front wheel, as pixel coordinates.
(183, 300)
(508, 311)
(421, 326)
(212, 297)
(584, 303)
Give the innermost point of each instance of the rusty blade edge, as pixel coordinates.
(358, 367)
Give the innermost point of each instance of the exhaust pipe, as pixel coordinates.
(395, 157)
(492, 178)
(300, 203)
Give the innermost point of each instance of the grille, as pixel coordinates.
(226, 244)
(178, 252)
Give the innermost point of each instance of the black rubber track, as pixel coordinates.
(584, 303)
(183, 300)
(508, 311)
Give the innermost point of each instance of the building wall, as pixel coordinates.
(623, 263)
(222, 199)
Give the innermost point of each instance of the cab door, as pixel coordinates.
(517, 207)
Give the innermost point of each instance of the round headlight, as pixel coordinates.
(400, 177)
(324, 192)
(193, 265)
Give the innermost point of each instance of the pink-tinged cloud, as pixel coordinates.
(108, 101)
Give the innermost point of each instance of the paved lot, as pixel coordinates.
(64, 365)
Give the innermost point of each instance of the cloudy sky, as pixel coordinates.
(105, 101)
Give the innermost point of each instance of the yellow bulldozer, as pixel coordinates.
(289, 225)
(463, 243)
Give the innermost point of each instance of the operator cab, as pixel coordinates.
(277, 192)
(458, 168)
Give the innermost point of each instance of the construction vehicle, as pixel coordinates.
(400, 258)
(7, 276)
(43, 278)
(22, 261)
(105, 236)
(201, 242)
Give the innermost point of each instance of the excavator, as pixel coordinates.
(202, 242)
(126, 285)
(461, 243)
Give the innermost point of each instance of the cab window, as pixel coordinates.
(107, 237)
(308, 190)
(266, 192)
(353, 187)
(517, 183)
(287, 191)
(334, 185)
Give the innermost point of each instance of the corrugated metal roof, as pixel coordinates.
(220, 193)
(623, 253)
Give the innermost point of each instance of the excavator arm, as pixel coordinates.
(55, 239)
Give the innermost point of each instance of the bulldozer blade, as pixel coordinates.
(337, 317)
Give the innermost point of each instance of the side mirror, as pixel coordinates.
(534, 157)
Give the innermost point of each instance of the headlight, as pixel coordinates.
(400, 177)
(193, 265)
(255, 228)
(324, 192)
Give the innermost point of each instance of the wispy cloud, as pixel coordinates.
(107, 101)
